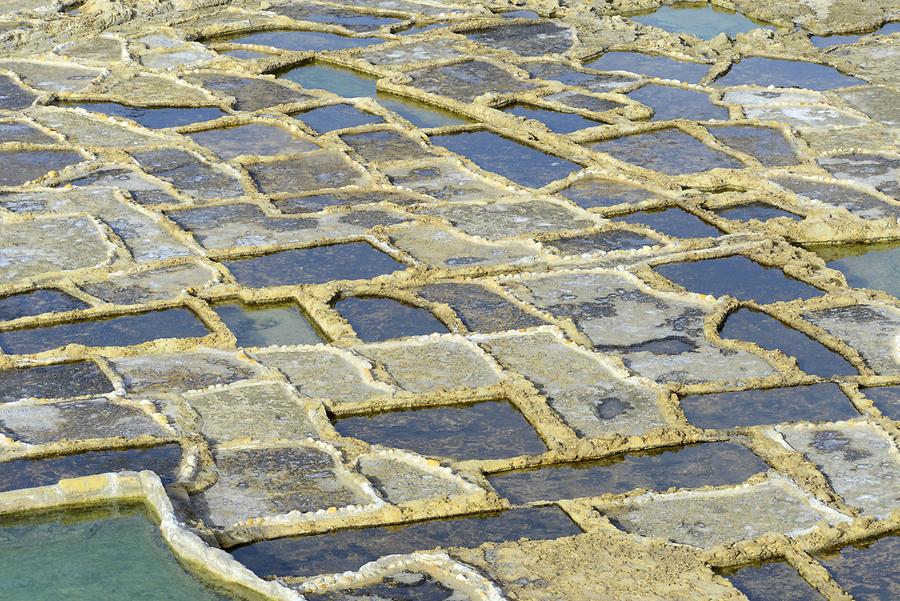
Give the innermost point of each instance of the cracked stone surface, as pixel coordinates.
(433, 363)
(525, 39)
(181, 372)
(506, 220)
(186, 172)
(312, 171)
(137, 287)
(138, 187)
(832, 193)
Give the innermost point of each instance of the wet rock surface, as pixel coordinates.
(766, 580)
(670, 468)
(670, 151)
(79, 378)
(349, 549)
(163, 460)
(815, 403)
(467, 81)
(532, 297)
(458, 432)
(260, 482)
(867, 571)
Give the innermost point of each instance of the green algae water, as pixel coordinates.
(109, 554)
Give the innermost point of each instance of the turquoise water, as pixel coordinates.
(699, 19)
(110, 554)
